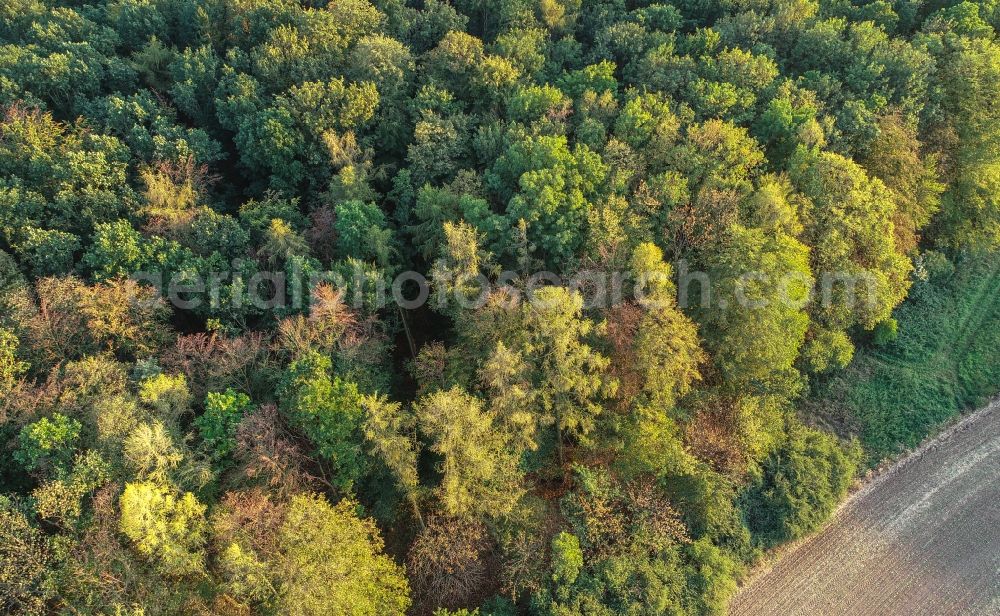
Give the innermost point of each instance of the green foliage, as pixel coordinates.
(217, 425)
(391, 436)
(10, 277)
(800, 486)
(25, 554)
(551, 188)
(328, 411)
(630, 554)
(117, 250)
(61, 501)
(540, 346)
(167, 395)
(150, 451)
(970, 208)
(562, 457)
(567, 559)
(851, 215)
(436, 206)
(713, 579)
(362, 232)
(940, 362)
(762, 281)
(47, 252)
(11, 368)
(48, 445)
(478, 474)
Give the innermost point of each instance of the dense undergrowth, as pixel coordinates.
(944, 360)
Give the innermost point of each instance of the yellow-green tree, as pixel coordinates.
(331, 563)
(165, 526)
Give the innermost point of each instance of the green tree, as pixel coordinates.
(801, 485)
(328, 411)
(217, 425)
(436, 206)
(757, 323)
(11, 368)
(48, 445)
(551, 188)
(25, 555)
(168, 395)
(564, 378)
(391, 434)
(895, 157)
(363, 233)
(47, 252)
(658, 354)
(567, 558)
(860, 272)
(969, 138)
(116, 250)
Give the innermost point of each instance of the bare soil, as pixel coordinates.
(922, 537)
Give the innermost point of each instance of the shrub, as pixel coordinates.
(801, 485)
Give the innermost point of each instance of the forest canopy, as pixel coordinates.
(175, 444)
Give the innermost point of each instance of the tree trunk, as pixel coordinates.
(409, 336)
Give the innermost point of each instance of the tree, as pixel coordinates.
(282, 243)
(459, 63)
(47, 252)
(860, 271)
(331, 563)
(217, 425)
(567, 558)
(25, 555)
(286, 139)
(448, 562)
(713, 576)
(895, 157)
(801, 485)
(436, 206)
(328, 411)
(479, 475)
(73, 179)
(363, 233)
(72, 320)
(61, 500)
(116, 251)
(969, 140)
(151, 452)
(11, 368)
(458, 272)
(167, 395)
(165, 526)
(757, 323)
(10, 277)
(194, 75)
(551, 188)
(720, 162)
(48, 445)
(656, 352)
(563, 376)
(649, 125)
(390, 65)
(391, 434)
